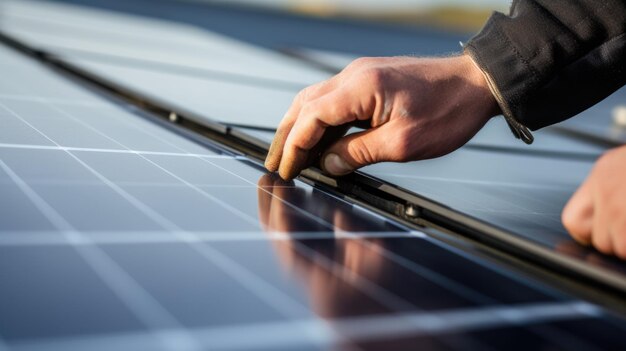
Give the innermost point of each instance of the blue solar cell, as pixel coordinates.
(118, 233)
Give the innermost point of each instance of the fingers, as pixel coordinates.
(291, 150)
(618, 230)
(357, 150)
(596, 214)
(577, 217)
(328, 110)
(601, 237)
(274, 155)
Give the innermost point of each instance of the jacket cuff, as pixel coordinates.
(506, 72)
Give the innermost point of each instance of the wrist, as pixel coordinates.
(479, 85)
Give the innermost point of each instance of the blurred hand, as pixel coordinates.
(596, 213)
(333, 292)
(415, 108)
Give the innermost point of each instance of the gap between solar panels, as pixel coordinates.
(379, 196)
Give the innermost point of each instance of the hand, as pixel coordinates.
(415, 108)
(596, 213)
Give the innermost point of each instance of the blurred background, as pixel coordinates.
(457, 15)
(337, 31)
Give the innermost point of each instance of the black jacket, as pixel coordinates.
(549, 60)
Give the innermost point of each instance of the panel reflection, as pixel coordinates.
(284, 207)
(353, 276)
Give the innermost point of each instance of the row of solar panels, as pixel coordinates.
(118, 233)
(165, 241)
(494, 178)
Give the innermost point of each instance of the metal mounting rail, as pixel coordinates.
(391, 201)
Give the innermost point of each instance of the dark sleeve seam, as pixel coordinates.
(575, 26)
(534, 73)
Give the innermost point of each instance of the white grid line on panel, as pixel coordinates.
(475, 181)
(126, 121)
(61, 182)
(377, 292)
(136, 299)
(41, 238)
(381, 293)
(113, 151)
(178, 177)
(202, 192)
(272, 296)
(420, 270)
(145, 307)
(61, 101)
(368, 328)
(438, 279)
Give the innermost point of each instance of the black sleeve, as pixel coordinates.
(550, 60)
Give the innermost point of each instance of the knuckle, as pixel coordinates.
(361, 152)
(311, 115)
(361, 61)
(284, 125)
(308, 111)
(303, 94)
(373, 77)
(294, 144)
(297, 138)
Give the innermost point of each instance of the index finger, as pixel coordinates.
(319, 123)
(275, 152)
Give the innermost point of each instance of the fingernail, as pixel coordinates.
(336, 165)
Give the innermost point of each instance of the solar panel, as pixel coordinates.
(172, 55)
(601, 123)
(263, 107)
(514, 191)
(120, 233)
(117, 232)
(160, 45)
(535, 217)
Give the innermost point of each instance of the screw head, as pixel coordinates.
(411, 211)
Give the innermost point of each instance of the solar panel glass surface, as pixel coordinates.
(75, 31)
(521, 193)
(494, 178)
(119, 233)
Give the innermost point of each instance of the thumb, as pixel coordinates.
(354, 151)
(577, 216)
